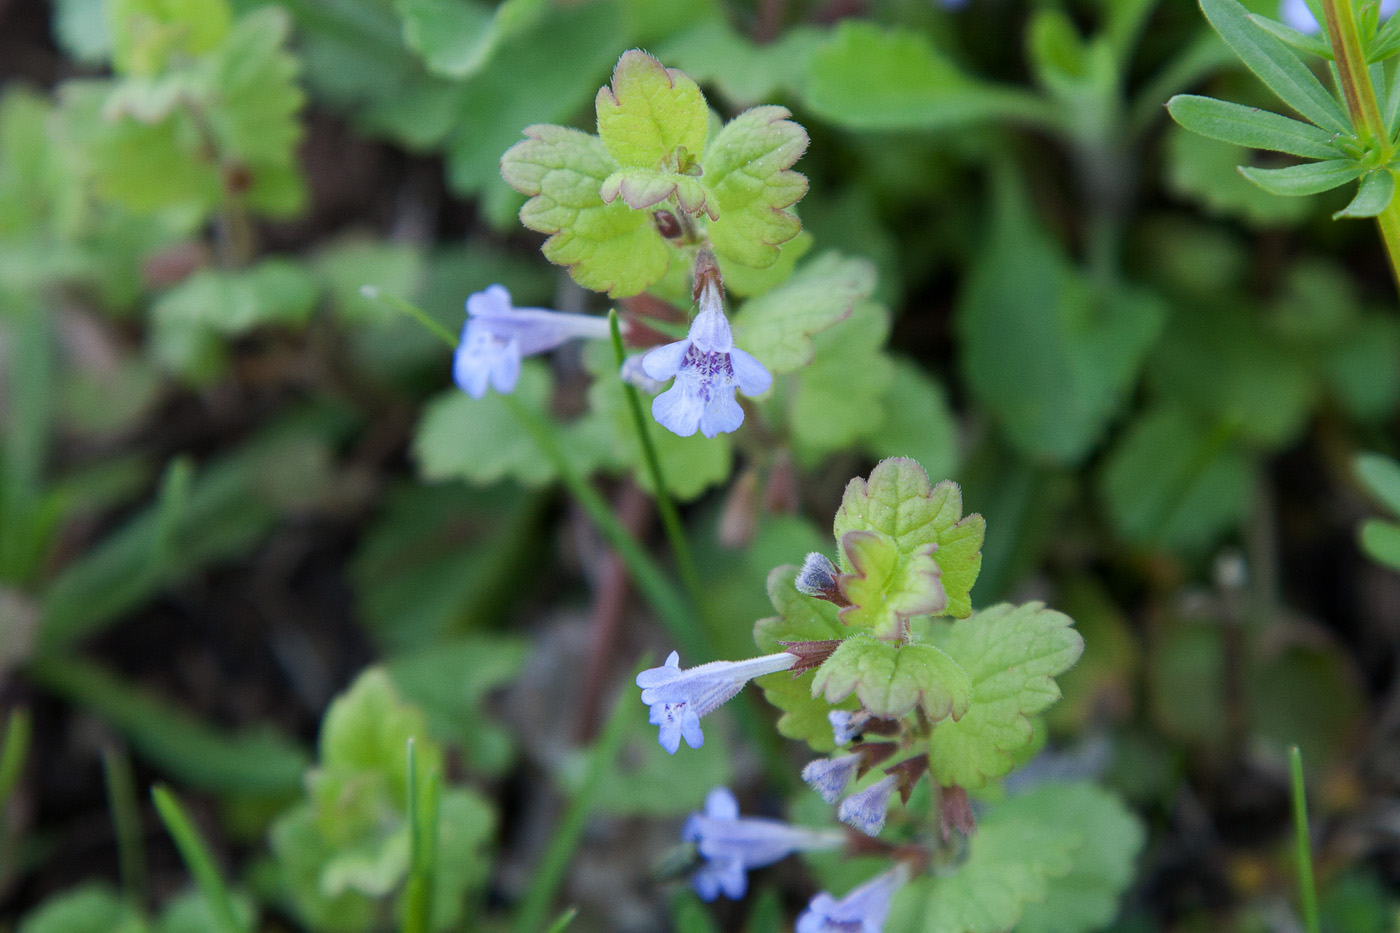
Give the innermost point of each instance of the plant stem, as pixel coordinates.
(422, 818)
(1307, 888)
(13, 753)
(126, 821)
(670, 518)
(1360, 94)
(534, 908)
(197, 859)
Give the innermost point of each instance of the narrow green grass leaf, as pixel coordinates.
(1373, 195)
(197, 858)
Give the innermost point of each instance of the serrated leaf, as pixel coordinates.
(869, 77)
(640, 188)
(1275, 64)
(1381, 540)
(1012, 654)
(898, 501)
(891, 680)
(886, 587)
(606, 247)
(800, 618)
(367, 729)
(777, 326)
(147, 35)
(1012, 860)
(1381, 477)
(1087, 897)
(1308, 178)
(748, 172)
(479, 440)
(649, 112)
(1251, 127)
(1373, 195)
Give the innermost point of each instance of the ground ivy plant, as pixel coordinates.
(878, 660)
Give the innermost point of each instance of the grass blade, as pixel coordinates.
(1307, 887)
(126, 821)
(423, 834)
(198, 859)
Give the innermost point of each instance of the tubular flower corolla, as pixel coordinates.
(497, 336)
(679, 698)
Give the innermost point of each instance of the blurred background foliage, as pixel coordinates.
(228, 483)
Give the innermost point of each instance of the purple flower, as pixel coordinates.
(846, 725)
(497, 336)
(829, 776)
(708, 368)
(1299, 15)
(679, 698)
(866, 810)
(863, 910)
(731, 845)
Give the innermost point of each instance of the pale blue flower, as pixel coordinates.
(497, 336)
(679, 698)
(1299, 15)
(866, 810)
(863, 910)
(846, 725)
(731, 844)
(829, 776)
(707, 368)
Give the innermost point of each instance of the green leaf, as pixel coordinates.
(457, 38)
(83, 909)
(869, 77)
(1012, 862)
(799, 618)
(839, 396)
(748, 170)
(147, 35)
(1373, 195)
(606, 247)
(450, 681)
(644, 780)
(887, 587)
(1050, 353)
(743, 72)
(1381, 477)
(891, 680)
(777, 326)
(898, 501)
(366, 730)
(1217, 360)
(1087, 897)
(1308, 178)
(1168, 482)
(917, 424)
(1381, 540)
(1276, 65)
(1251, 127)
(691, 465)
(261, 762)
(650, 113)
(479, 440)
(1311, 45)
(1012, 654)
(186, 319)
